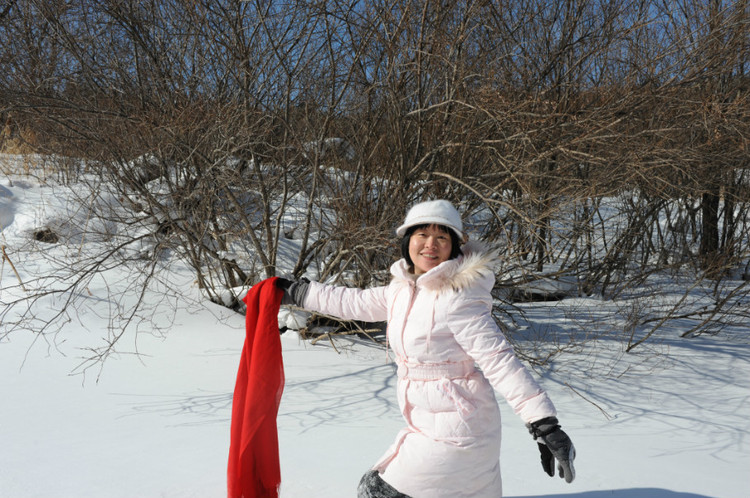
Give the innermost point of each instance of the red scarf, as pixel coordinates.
(254, 470)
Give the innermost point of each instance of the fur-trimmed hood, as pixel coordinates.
(476, 264)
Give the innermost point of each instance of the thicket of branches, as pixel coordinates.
(218, 119)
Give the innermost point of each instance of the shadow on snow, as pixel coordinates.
(626, 493)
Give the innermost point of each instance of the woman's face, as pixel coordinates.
(428, 247)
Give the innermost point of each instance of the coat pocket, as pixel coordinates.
(464, 407)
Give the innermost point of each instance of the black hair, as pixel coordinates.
(455, 241)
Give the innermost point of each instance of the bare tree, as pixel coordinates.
(598, 140)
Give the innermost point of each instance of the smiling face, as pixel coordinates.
(428, 247)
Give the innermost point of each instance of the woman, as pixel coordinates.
(450, 355)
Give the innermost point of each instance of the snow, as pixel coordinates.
(669, 422)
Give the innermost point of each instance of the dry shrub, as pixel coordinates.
(22, 141)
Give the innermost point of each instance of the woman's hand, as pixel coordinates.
(554, 444)
(295, 291)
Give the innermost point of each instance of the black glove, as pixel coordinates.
(554, 444)
(295, 291)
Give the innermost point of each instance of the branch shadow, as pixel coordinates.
(354, 397)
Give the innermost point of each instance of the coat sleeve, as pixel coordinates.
(368, 305)
(471, 322)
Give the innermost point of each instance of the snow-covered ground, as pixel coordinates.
(157, 424)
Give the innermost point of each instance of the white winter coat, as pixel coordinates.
(450, 354)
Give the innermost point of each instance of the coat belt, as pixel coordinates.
(435, 371)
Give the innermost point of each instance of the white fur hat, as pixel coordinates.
(438, 212)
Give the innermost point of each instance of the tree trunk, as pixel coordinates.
(709, 247)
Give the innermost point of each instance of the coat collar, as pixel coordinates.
(478, 261)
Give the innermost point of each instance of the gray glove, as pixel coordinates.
(295, 291)
(554, 444)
